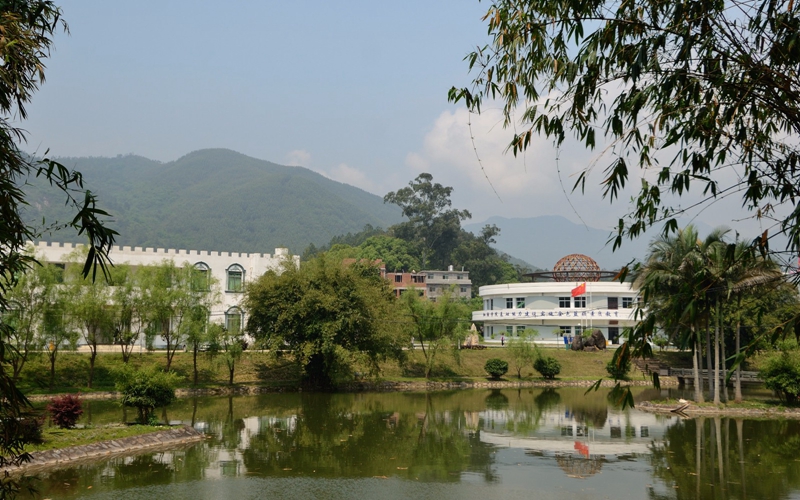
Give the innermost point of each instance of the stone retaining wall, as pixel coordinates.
(380, 387)
(168, 439)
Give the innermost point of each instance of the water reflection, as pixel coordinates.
(465, 444)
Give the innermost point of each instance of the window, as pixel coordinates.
(235, 278)
(565, 330)
(59, 272)
(418, 278)
(398, 278)
(491, 304)
(459, 277)
(613, 302)
(201, 277)
(463, 289)
(564, 301)
(521, 331)
(509, 303)
(578, 330)
(430, 276)
(580, 301)
(613, 334)
(627, 302)
(233, 320)
(509, 331)
(431, 289)
(444, 277)
(520, 302)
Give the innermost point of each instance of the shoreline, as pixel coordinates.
(168, 439)
(364, 386)
(694, 411)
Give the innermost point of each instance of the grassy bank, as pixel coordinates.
(56, 439)
(262, 369)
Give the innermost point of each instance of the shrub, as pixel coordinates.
(30, 429)
(782, 375)
(146, 390)
(619, 368)
(65, 410)
(496, 367)
(547, 366)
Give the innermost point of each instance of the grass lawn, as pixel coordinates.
(55, 439)
(574, 365)
(261, 369)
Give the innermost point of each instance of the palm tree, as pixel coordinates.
(744, 272)
(673, 282)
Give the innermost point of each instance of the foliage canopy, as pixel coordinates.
(329, 316)
(689, 92)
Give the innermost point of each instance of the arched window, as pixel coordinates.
(235, 278)
(233, 320)
(201, 278)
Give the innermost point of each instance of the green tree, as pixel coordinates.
(172, 298)
(432, 224)
(88, 309)
(56, 329)
(328, 316)
(29, 299)
(128, 309)
(228, 343)
(28, 27)
(146, 390)
(436, 326)
(522, 352)
(690, 90)
(673, 281)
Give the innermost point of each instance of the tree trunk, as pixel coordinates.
(724, 381)
(92, 357)
(230, 369)
(170, 353)
(52, 357)
(709, 366)
(738, 383)
(698, 388)
(194, 362)
(716, 355)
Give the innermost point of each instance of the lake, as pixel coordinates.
(470, 444)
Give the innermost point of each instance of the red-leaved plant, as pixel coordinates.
(65, 410)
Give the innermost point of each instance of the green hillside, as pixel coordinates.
(216, 199)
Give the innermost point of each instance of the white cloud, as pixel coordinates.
(298, 157)
(538, 182)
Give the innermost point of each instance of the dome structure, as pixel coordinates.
(576, 267)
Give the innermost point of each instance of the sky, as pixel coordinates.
(355, 90)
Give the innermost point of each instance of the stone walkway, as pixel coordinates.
(67, 457)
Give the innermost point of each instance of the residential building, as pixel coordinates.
(433, 284)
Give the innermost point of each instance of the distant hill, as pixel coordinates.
(216, 199)
(543, 240)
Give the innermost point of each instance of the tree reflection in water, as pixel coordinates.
(703, 459)
(565, 438)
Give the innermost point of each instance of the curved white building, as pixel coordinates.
(549, 308)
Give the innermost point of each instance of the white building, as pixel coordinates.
(230, 270)
(549, 308)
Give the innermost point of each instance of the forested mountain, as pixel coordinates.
(216, 199)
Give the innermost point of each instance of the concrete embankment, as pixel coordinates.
(385, 386)
(169, 439)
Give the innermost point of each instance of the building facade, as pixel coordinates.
(230, 270)
(433, 284)
(548, 311)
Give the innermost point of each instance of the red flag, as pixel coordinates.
(578, 291)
